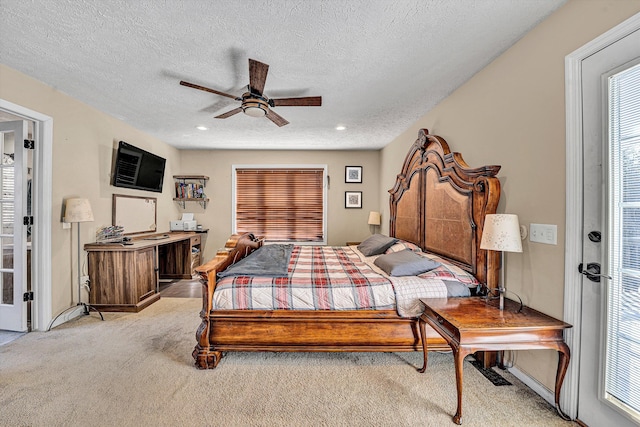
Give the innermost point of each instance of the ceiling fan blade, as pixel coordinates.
(206, 89)
(308, 101)
(276, 118)
(257, 76)
(229, 113)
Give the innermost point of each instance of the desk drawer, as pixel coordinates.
(195, 240)
(440, 324)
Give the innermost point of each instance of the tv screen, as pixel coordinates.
(137, 168)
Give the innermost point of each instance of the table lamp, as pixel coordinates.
(374, 219)
(501, 233)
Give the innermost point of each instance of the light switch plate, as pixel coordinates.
(543, 233)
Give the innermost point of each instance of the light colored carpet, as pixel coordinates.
(137, 370)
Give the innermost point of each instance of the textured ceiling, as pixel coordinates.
(379, 65)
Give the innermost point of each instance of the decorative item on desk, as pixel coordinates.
(374, 220)
(110, 234)
(501, 233)
(78, 210)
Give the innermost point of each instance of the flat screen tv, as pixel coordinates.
(137, 168)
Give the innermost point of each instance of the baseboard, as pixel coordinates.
(534, 385)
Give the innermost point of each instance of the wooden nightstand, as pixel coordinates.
(473, 324)
(353, 243)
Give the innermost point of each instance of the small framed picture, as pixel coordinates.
(353, 174)
(353, 199)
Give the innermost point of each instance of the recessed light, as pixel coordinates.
(202, 127)
(341, 127)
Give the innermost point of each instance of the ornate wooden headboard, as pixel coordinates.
(439, 203)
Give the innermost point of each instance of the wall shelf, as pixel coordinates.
(190, 188)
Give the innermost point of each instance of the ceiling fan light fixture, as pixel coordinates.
(255, 107)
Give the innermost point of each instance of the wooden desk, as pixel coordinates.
(472, 324)
(126, 277)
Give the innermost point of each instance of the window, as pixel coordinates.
(622, 384)
(281, 203)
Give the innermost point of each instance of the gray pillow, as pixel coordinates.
(456, 289)
(376, 244)
(405, 263)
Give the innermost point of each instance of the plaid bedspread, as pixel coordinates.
(320, 278)
(409, 290)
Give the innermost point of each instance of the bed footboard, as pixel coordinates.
(237, 247)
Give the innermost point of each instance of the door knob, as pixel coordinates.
(592, 272)
(595, 236)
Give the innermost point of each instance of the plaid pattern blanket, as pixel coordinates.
(320, 278)
(409, 290)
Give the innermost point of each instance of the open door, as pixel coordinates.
(13, 226)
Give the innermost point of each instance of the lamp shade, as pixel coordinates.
(501, 233)
(78, 210)
(374, 218)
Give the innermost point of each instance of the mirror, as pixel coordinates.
(135, 214)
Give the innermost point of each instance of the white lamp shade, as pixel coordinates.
(78, 210)
(374, 218)
(501, 233)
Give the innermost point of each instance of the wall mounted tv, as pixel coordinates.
(137, 168)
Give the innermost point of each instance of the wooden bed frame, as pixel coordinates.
(438, 202)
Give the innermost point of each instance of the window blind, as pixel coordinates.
(281, 204)
(8, 195)
(622, 376)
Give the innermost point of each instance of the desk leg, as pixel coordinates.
(423, 338)
(564, 355)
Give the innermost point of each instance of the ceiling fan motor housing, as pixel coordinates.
(254, 105)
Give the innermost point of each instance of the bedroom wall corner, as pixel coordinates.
(512, 113)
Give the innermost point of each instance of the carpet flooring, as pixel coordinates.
(136, 369)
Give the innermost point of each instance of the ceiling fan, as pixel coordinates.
(254, 102)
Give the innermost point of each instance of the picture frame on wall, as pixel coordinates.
(353, 174)
(353, 199)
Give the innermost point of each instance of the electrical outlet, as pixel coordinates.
(66, 225)
(543, 233)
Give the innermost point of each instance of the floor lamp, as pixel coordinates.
(78, 210)
(501, 233)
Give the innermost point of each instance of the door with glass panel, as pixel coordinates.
(13, 231)
(609, 385)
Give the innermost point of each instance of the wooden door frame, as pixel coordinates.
(41, 202)
(574, 201)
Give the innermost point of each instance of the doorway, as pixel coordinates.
(39, 314)
(594, 235)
